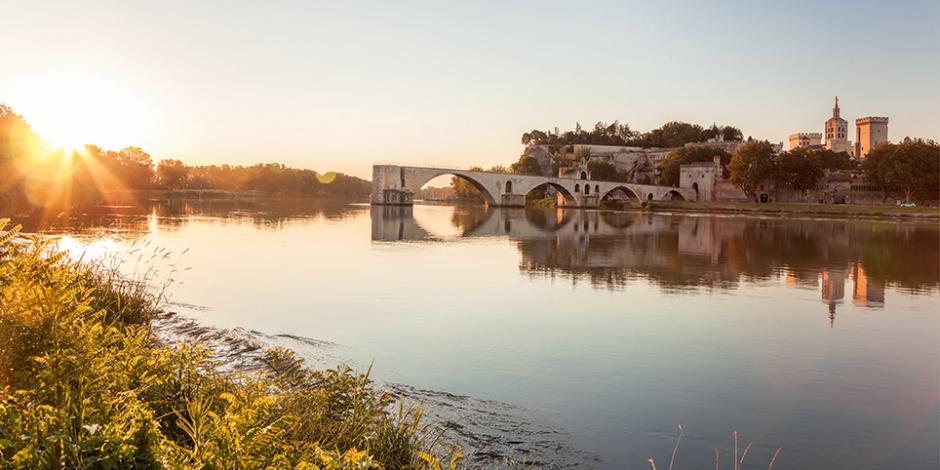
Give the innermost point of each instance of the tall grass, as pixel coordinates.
(84, 384)
(737, 462)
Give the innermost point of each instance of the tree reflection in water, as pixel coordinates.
(681, 252)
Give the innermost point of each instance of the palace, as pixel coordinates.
(869, 132)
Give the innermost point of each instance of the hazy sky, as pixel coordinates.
(341, 85)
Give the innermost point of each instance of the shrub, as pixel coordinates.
(84, 383)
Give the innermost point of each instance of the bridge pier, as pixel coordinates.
(512, 200)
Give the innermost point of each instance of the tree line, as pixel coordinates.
(910, 169)
(34, 173)
(671, 134)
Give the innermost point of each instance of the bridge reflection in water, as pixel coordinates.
(843, 260)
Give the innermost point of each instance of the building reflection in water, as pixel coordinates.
(612, 249)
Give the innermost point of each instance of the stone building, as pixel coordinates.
(702, 177)
(869, 132)
(805, 140)
(837, 131)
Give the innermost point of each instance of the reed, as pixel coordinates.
(736, 463)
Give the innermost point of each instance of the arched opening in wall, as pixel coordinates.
(452, 188)
(674, 196)
(577, 188)
(620, 197)
(649, 197)
(695, 187)
(509, 187)
(587, 189)
(549, 195)
(597, 189)
(583, 175)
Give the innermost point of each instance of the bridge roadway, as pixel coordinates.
(397, 185)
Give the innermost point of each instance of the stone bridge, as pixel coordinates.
(397, 185)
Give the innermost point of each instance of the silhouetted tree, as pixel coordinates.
(752, 164)
(911, 168)
(172, 174)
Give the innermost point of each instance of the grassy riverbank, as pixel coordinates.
(797, 209)
(85, 384)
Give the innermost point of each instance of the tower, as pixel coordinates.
(837, 131)
(869, 132)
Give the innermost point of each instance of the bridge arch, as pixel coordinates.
(674, 196)
(569, 198)
(484, 191)
(631, 194)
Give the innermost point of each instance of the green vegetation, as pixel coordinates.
(85, 384)
(751, 165)
(911, 168)
(526, 166)
(671, 134)
(604, 171)
(756, 163)
(35, 174)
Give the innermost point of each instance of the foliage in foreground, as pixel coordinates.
(84, 384)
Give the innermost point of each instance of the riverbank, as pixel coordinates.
(84, 381)
(797, 209)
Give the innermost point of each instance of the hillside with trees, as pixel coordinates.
(671, 134)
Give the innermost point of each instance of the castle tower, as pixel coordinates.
(837, 131)
(869, 132)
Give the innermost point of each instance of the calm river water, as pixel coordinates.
(600, 331)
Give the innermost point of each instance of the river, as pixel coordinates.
(576, 338)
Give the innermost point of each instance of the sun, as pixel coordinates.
(69, 112)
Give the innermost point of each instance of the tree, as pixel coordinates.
(172, 174)
(669, 168)
(18, 142)
(751, 165)
(603, 171)
(535, 137)
(465, 189)
(872, 166)
(798, 169)
(136, 167)
(911, 168)
(832, 160)
(526, 165)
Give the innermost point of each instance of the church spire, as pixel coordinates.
(835, 109)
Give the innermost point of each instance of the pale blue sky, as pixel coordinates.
(340, 85)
